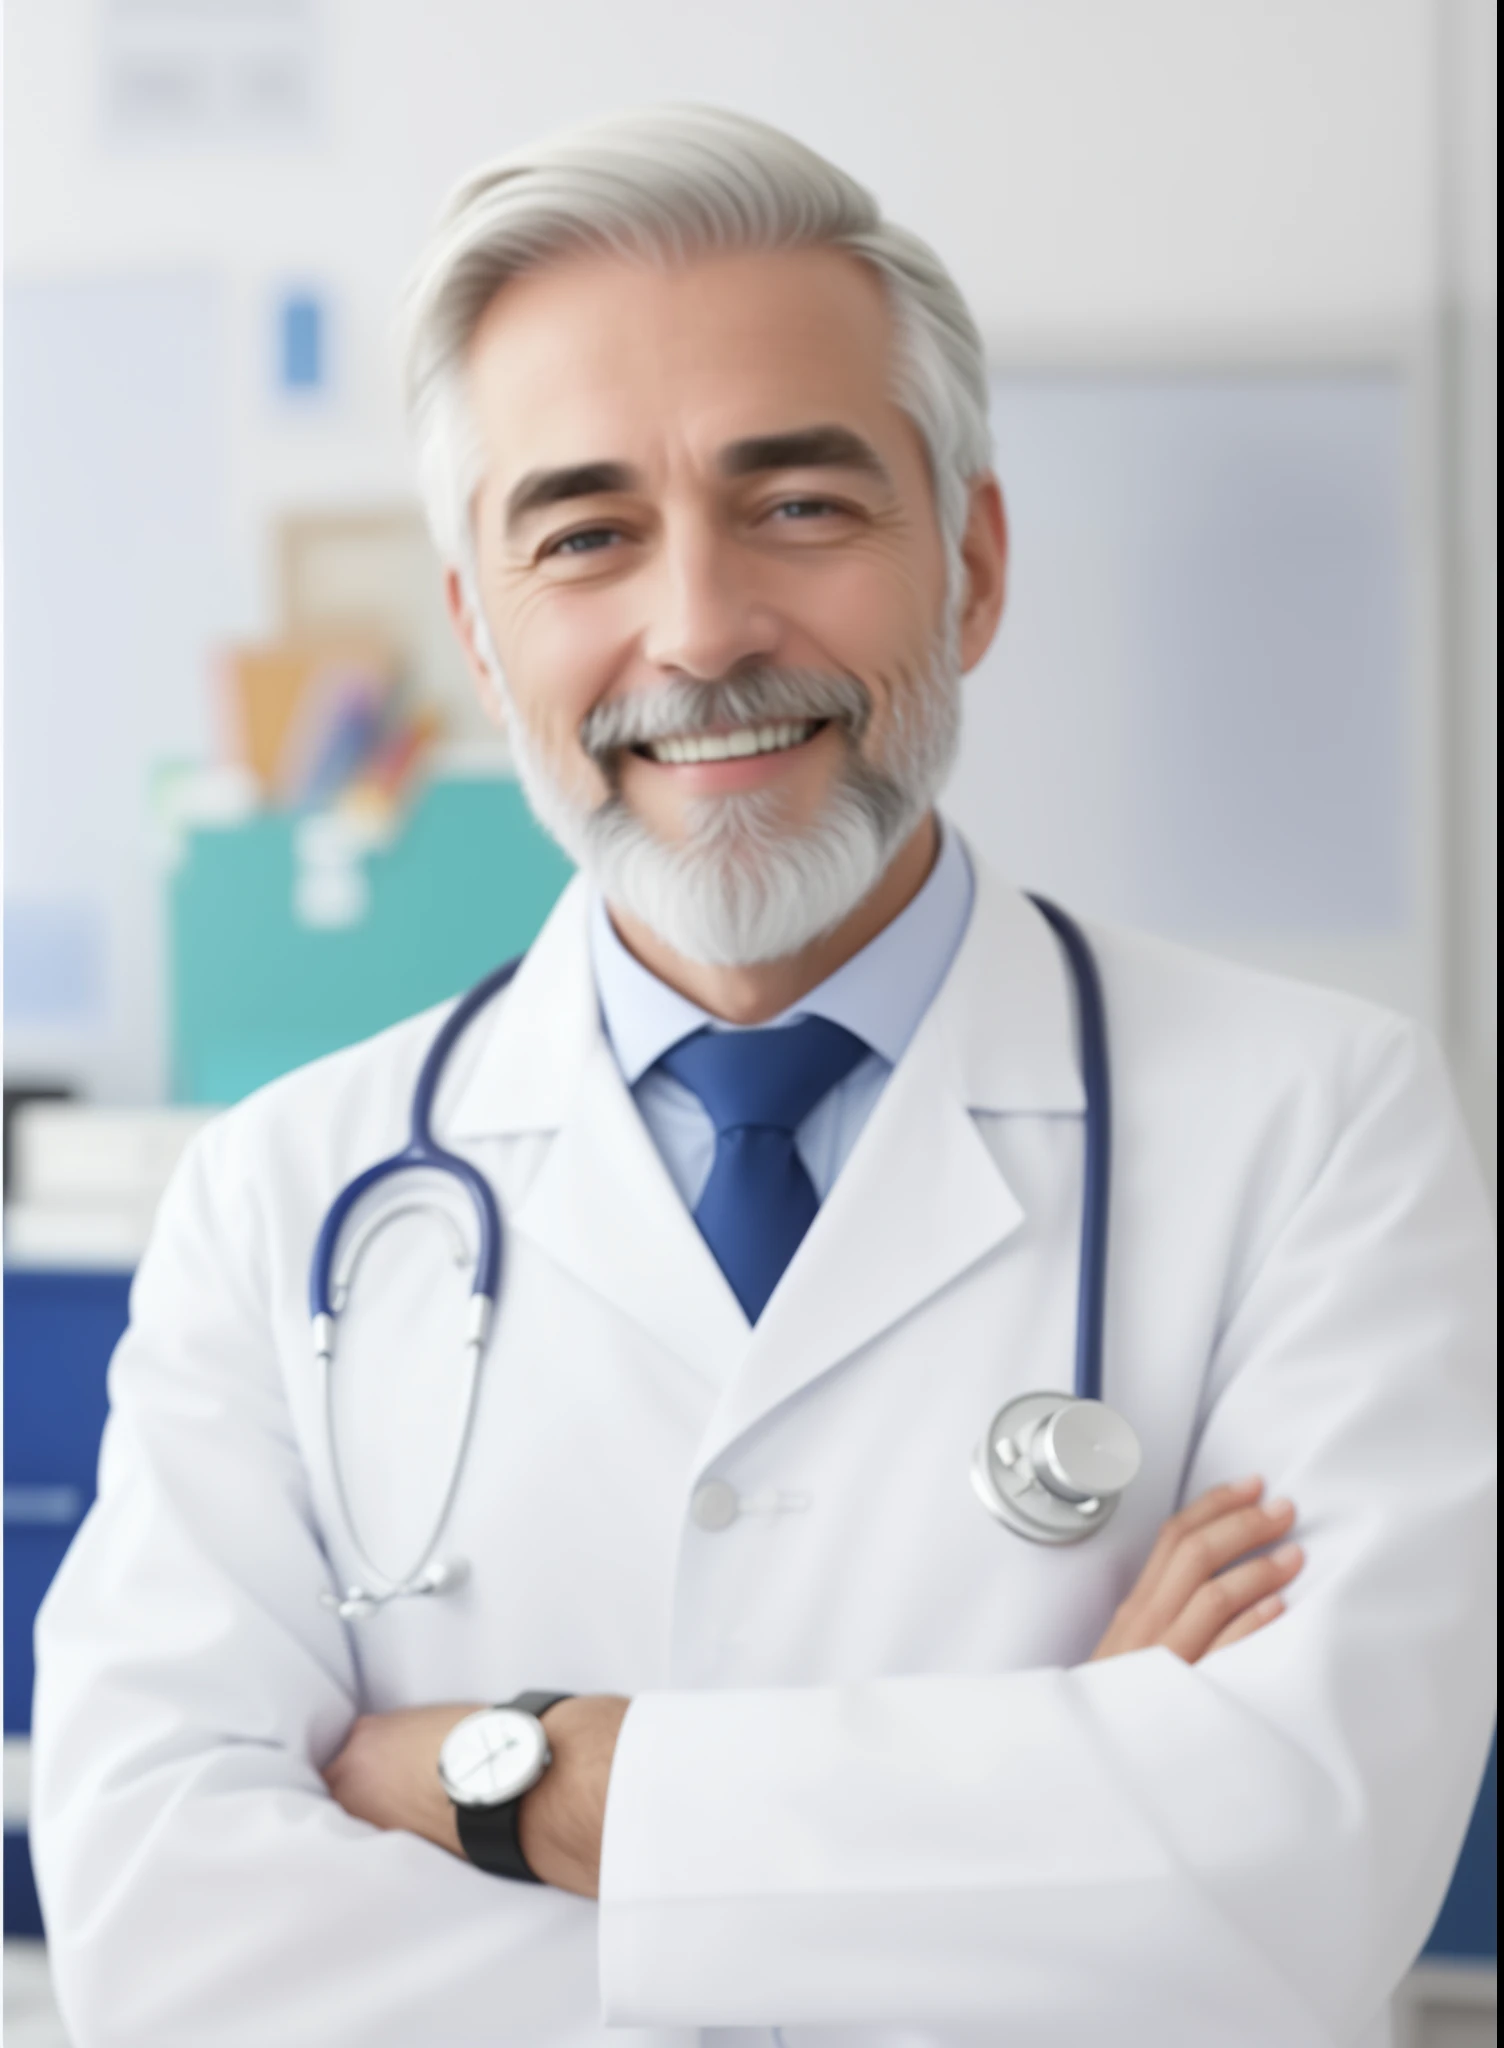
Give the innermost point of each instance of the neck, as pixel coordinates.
(751, 995)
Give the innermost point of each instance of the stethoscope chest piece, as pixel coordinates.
(1052, 1468)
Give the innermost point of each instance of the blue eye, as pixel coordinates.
(805, 508)
(588, 541)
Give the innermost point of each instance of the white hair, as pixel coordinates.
(668, 184)
(744, 886)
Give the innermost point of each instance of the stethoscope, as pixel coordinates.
(1051, 1466)
(329, 1293)
(1054, 1466)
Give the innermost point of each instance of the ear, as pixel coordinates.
(984, 564)
(468, 632)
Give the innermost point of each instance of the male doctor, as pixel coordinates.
(784, 1114)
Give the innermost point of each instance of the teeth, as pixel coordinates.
(730, 746)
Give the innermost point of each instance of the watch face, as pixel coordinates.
(493, 1756)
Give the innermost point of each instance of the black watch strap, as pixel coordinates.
(488, 1834)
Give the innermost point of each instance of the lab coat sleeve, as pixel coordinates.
(1246, 1851)
(199, 1884)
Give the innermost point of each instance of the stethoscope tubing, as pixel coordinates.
(423, 1151)
(1096, 1082)
(326, 1298)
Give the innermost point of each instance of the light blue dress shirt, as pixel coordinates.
(880, 994)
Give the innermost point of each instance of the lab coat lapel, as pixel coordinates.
(604, 1208)
(921, 1199)
(918, 1202)
(601, 1205)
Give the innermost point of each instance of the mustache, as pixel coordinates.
(761, 696)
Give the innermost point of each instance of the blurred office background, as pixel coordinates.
(1235, 267)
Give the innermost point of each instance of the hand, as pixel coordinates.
(388, 1774)
(1186, 1597)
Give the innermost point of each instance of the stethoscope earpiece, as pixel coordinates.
(351, 1605)
(442, 1576)
(356, 1602)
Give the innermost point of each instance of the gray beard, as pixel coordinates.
(743, 888)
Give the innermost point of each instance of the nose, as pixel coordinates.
(705, 616)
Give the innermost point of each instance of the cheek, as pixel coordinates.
(884, 629)
(872, 616)
(558, 659)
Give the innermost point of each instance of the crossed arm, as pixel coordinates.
(1209, 1581)
(1260, 1838)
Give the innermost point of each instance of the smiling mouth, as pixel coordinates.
(683, 749)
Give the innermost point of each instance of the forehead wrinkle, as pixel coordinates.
(522, 331)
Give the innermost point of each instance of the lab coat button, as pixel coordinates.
(714, 1505)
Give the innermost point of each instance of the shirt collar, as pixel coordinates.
(880, 993)
(1006, 1011)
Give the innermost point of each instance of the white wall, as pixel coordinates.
(1102, 174)
(1109, 179)
(1467, 239)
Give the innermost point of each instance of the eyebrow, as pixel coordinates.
(807, 448)
(541, 488)
(825, 447)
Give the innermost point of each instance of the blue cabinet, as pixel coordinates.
(60, 1329)
(1468, 1924)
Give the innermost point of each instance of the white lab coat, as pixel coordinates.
(868, 1792)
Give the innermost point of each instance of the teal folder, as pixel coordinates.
(467, 883)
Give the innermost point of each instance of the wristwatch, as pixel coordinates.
(488, 1761)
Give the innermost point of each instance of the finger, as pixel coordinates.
(1208, 1552)
(1248, 1624)
(1216, 1501)
(1206, 1507)
(1199, 1556)
(1219, 1603)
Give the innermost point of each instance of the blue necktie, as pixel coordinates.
(757, 1088)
